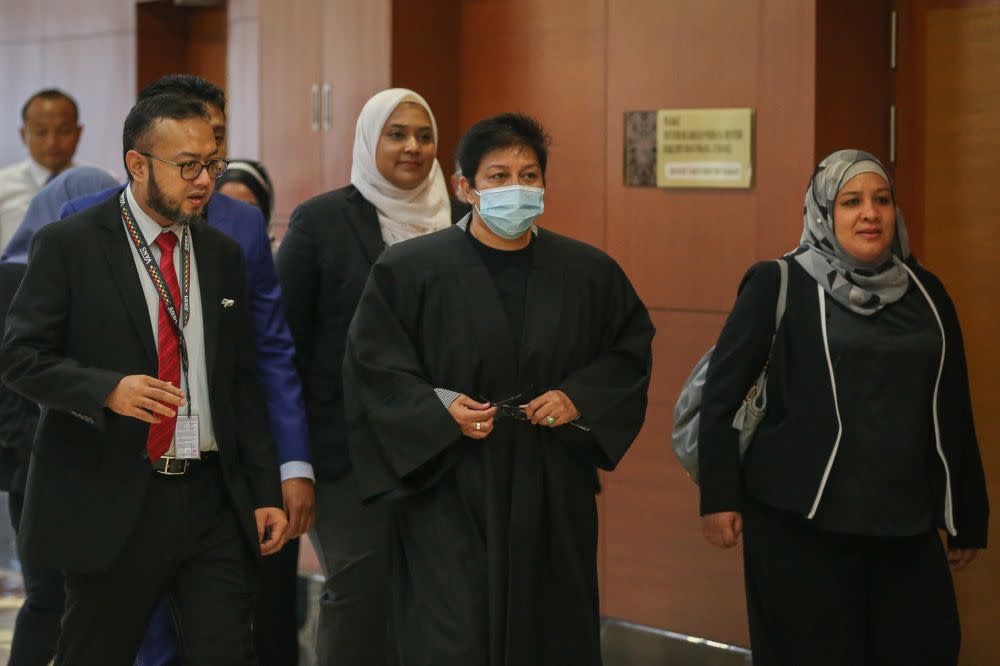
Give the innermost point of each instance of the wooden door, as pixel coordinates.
(291, 51)
(356, 52)
(948, 85)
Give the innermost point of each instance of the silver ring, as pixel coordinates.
(550, 420)
(479, 426)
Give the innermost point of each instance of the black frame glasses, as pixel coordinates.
(193, 168)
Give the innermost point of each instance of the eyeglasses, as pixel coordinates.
(510, 408)
(191, 170)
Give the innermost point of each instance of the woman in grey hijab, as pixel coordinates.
(867, 448)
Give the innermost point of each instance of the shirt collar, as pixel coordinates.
(39, 174)
(147, 225)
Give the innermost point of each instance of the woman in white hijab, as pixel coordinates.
(397, 192)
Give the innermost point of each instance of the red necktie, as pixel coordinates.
(169, 370)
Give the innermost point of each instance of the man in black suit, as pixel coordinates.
(152, 471)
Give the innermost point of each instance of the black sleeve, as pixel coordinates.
(971, 508)
(33, 360)
(18, 415)
(611, 391)
(739, 356)
(397, 425)
(299, 271)
(257, 449)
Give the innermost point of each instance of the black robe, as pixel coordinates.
(494, 542)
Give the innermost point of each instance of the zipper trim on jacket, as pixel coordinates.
(836, 403)
(949, 517)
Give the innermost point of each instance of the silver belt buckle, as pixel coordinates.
(168, 466)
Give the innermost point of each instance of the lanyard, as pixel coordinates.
(153, 270)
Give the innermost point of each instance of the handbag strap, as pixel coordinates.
(782, 295)
(779, 312)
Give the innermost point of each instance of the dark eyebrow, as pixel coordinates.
(404, 126)
(855, 193)
(196, 156)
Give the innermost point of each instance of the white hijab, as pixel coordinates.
(402, 214)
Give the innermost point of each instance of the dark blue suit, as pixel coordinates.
(275, 365)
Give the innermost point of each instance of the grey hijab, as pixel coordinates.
(864, 288)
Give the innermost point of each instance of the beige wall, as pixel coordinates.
(88, 51)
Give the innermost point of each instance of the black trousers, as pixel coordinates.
(276, 625)
(36, 629)
(827, 599)
(352, 543)
(187, 545)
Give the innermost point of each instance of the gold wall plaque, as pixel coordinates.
(704, 148)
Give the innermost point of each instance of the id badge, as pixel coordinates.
(186, 438)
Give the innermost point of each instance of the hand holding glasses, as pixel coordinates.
(551, 409)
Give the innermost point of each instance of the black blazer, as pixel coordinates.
(323, 264)
(78, 324)
(18, 415)
(785, 464)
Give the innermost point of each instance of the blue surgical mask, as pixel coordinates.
(510, 211)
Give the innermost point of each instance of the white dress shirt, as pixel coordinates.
(195, 382)
(19, 183)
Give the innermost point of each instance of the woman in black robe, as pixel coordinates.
(491, 369)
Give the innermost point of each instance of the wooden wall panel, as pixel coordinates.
(161, 43)
(686, 251)
(288, 43)
(189, 40)
(785, 124)
(659, 234)
(962, 142)
(657, 562)
(908, 89)
(547, 60)
(357, 48)
(430, 67)
(842, 119)
(207, 37)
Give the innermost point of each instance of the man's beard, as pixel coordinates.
(159, 203)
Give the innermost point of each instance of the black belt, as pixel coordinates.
(171, 466)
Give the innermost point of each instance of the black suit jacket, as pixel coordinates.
(78, 324)
(323, 264)
(18, 416)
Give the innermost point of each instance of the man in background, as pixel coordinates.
(51, 131)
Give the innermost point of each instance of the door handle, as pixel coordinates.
(326, 107)
(315, 107)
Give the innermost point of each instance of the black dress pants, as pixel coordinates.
(36, 629)
(827, 599)
(187, 545)
(352, 543)
(276, 622)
